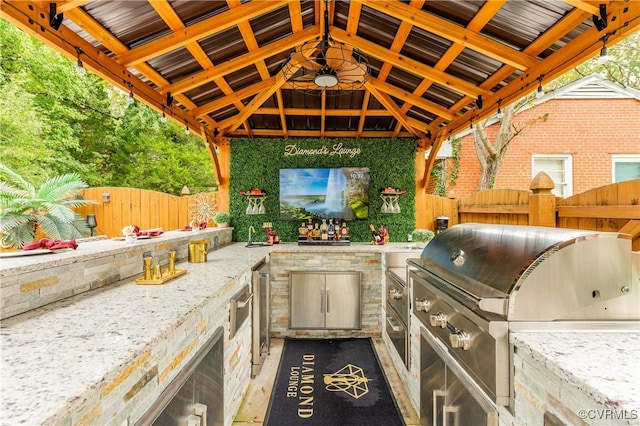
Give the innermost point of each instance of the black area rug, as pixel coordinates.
(331, 382)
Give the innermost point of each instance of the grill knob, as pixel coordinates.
(423, 305)
(438, 320)
(395, 294)
(460, 340)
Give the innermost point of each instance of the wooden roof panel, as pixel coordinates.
(224, 46)
(222, 60)
(273, 26)
(116, 17)
(191, 12)
(519, 23)
(175, 65)
(424, 46)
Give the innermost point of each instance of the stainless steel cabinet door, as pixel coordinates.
(342, 300)
(324, 300)
(307, 299)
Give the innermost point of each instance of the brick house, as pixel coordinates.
(590, 138)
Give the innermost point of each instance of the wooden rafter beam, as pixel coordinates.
(314, 134)
(587, 44)
(237, 96)
(34, 21)
(389, 104)
(281, 112)
(484, 15)
(323, 111)
(98, 32)
(234, 122)
(365, 112)
(198, 31)
(171, 18)
(412, 99)
(455, 33)
(404, 62)
(220, 70)
(62, 6)
(330, 112)
(591, 7)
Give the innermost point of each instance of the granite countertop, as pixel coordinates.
(97, 248)
(603, 364)
(53, 355)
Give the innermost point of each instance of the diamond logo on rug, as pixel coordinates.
(350, 379)
(327, 382)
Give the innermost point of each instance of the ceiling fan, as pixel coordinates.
(326, 66)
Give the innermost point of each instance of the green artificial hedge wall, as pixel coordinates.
(255, 163)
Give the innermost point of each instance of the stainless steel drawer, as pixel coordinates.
(239, 309)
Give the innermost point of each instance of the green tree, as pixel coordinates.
(623, 67)
(54, 121)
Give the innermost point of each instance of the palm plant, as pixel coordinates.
(24, 211)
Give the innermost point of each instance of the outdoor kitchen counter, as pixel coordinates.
(583, 376)
(59, 359)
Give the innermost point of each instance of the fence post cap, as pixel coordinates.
(542, 184)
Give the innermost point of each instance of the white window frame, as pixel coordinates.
(568, 169)
(622, 158)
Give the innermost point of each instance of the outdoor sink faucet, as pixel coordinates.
(252, 230)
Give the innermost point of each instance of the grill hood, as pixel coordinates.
(535, 273)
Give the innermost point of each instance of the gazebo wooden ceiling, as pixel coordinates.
(435, 66)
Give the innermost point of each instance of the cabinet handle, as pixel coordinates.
(328, 301)
(437, 393)
(323, 301)
(452, 410)
(194, 420)
(200, 410)
(394, 325)
(244, 303)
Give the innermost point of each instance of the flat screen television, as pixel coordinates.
(339, 193)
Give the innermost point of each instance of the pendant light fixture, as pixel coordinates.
(604, 56)
(79, 65)
(499, 113)
(540, 91)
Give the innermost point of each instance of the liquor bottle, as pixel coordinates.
(331, 230)
(302, 231)
(374, 234)
(382, 232)
(344, 231)
(316, 232)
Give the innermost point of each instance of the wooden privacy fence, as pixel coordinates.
(119, 207)
(614, 207)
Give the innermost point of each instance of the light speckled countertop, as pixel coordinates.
(601, 363)
(54, 354)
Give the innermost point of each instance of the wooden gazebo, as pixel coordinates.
(326, 68)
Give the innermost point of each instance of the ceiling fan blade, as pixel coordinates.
(352, 72)
(298, 58)
(335, 57)
(304, 78)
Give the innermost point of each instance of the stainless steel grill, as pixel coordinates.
(473, 283)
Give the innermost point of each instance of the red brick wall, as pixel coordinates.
(590, 130)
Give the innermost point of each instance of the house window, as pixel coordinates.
(559, 169)
(626, 167)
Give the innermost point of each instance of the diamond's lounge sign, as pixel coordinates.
(337, 149)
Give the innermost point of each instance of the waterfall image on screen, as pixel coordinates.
(324, 193)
